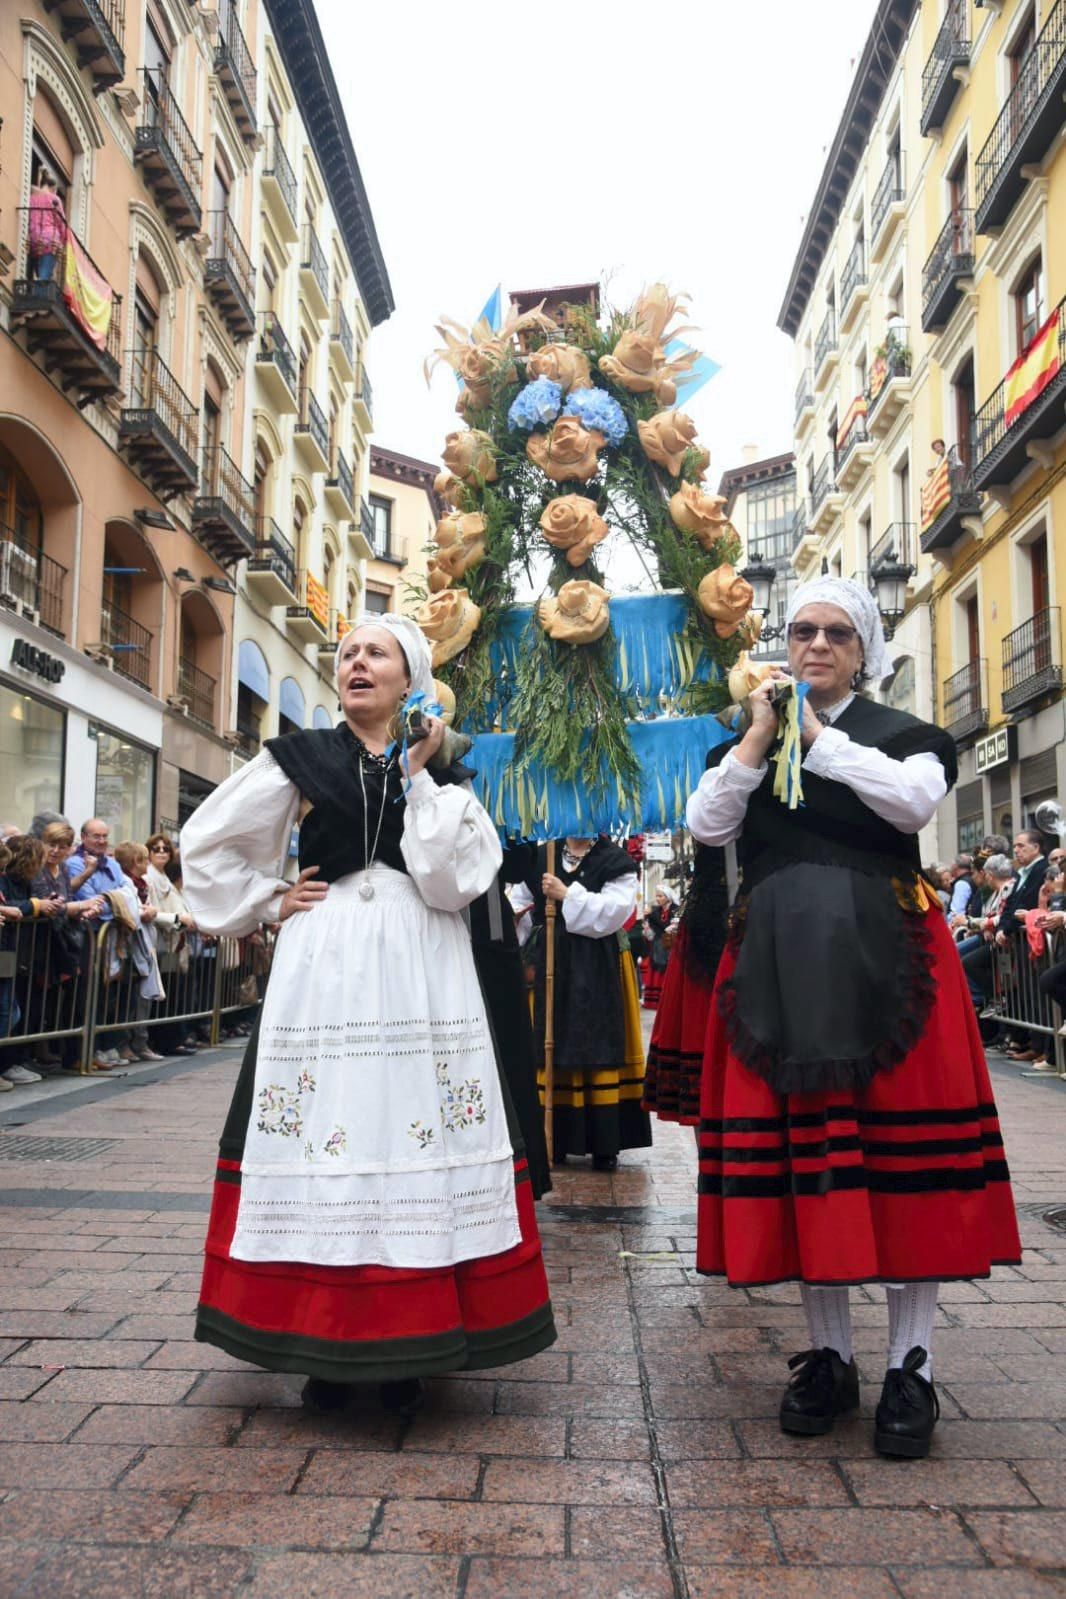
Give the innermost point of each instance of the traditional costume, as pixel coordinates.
(657, 959)
(848, 1132)
(598, 1054)
(371, 1218)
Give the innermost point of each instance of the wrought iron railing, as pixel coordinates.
(801, 521)
(153, 387)
(109, 16)
(1012, 124)
(275, 347)
(824, 482)
(163, 119)
(341, 330)
(129, 642)
(892, 360)
(30, 579)
(827, 338)
(1032, 658)
(951, 255)
(898, 543)
(233, 44)
(990, 425)
(804, 392)
(198, 690)
(313, 260)
(854, 273)
(311, 420)
(272, 545)
(951, 49)
(31, 289)
(368, 527)
(276, 165)
(222, 479)
(889, 192)
(228, 251)
(341, 475)
(965, 701)
(365, 392)
(857, 434)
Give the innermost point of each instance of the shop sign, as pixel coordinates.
(995, 750)
(31, 659)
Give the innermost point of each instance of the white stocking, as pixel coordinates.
(911, 1313)
(828, 1319)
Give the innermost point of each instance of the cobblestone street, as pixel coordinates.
(639, 1457)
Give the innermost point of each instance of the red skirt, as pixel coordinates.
(651, 984)
(373, 1323)
(902, 1182)
(675, 1054)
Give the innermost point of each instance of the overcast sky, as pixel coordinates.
(546, 145)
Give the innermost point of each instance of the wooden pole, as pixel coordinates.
(549, 1010)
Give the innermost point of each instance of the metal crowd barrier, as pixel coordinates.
(85, 996)
(1018, 1001)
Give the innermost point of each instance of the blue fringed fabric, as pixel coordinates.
(534, 805)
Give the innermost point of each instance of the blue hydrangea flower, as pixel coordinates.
(598, 410)
(537, 405)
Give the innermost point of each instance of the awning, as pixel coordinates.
(291, 701)
(252, 669)
(322, 718)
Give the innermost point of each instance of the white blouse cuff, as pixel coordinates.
(819, 757)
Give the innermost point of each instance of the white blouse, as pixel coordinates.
(599, 915)
(234, 848)
(905, 793)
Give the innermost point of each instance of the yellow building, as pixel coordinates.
(403, 514)
(925, 302)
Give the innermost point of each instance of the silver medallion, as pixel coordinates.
(366, 891)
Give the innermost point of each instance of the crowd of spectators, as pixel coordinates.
(56, 894)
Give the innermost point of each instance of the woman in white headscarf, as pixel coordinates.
(847, 1128)
(370, 1222)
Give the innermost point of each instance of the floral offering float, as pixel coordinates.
(639, 361)
(563, 364)
(700, 514)
(572, 525)
(746, 675)
(450, 489)
(578, 614)
(726, 598)
(568, 452)
(470, 455)
(449, 621)
(460, 546)
(667, 438)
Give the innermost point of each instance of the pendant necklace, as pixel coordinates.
(366, 887)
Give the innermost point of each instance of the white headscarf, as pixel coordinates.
(411, 639)
(669, 890)
(857, 603)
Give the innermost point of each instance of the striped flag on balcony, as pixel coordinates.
(1033, 370)
(87, 293)
(936, 493)
(317, 601)
(855, 410)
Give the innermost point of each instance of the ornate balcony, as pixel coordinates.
(76, 345)
(890, 382)
(276, 364)
(1032, 660)
(854, 286)
(130, 644)
(312, 432)
(158, 428)
(897, 546)
(223, 513)
(308, 619)
(804, 399)
(197, 689)
(341, 343)
(826, 498)
(966, 702)
(31, 583)
(236, 70)
(951, 508)
(945, 70)
(271, 571)
(279, 187)
(229, 276)
(361, 533)
(1026, 128)
(314, 273)
(168, 156)
(826, 348)
(340, 487)
(364, 400)
(95, 31)
(947, 271)
(889, 204)
(1016, 423)
(855, 451)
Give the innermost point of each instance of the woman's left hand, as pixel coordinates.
(553, 887)
(419, 754)
(810, 727)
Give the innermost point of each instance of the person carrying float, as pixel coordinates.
(848, 1132)
(372, 1219)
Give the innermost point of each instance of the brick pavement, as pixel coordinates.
(638, 1458)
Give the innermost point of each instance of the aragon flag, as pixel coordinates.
(88, 295)
(1034, 369)
(936, 493)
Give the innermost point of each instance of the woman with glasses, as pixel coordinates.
(848, 1132)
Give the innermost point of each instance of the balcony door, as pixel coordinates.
(1029, 304)
(1024, 71)
(965, 409)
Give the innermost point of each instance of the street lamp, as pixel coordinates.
(760, 574)
(889, 578)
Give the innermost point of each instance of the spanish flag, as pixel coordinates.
(88, 295)
(855, 410)
(936, 494)
(1034, 369)
(317, 601)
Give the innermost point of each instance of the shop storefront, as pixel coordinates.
(1005, 776)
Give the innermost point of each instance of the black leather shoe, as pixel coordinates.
(403, 1397)
(822, 1388)
(322, 1397)
(908, 1410)
(605, 1162)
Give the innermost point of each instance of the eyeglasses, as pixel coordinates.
(837, 633)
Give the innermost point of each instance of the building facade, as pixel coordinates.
(404, 512)
(929, 272)
(760, 501)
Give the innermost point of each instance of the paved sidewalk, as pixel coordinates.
(637, 1459)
